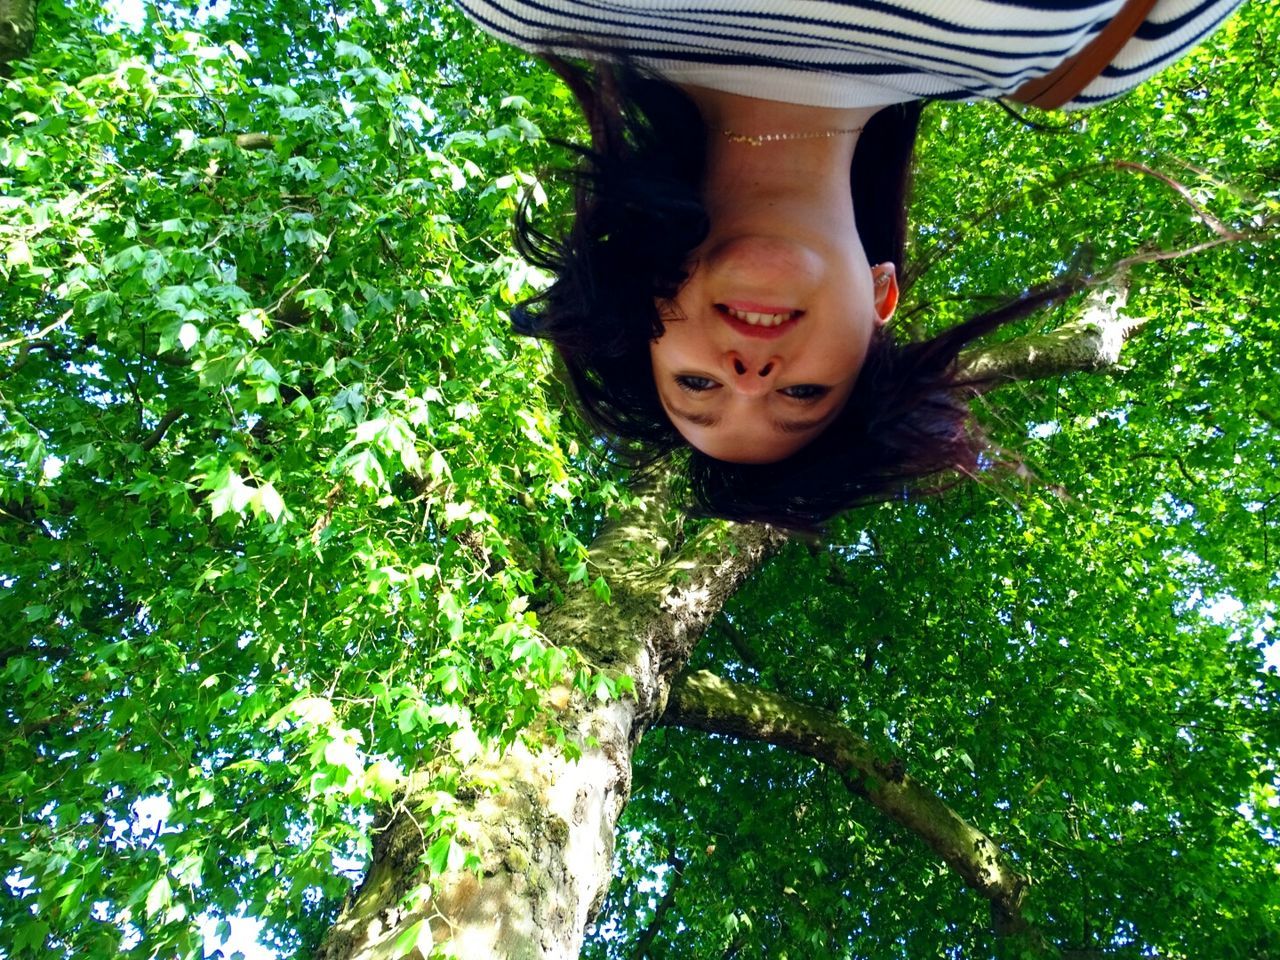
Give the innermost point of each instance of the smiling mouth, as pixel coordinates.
(759, 321)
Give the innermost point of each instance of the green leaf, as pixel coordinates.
(268, 501)
(288, 228)
(188, 335)
(417, 937)
(345, 50)
(438, 855)
(159, 896)
(230, 494)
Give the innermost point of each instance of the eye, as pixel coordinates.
(805, 391)
(695, 384)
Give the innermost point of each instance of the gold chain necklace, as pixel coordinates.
(759, 140)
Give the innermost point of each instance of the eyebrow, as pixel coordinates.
(782, 426)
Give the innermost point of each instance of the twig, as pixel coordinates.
(911, 275)
(39, 334)
(1160, 256)
(303, 279)
(1216, 225)
(222, 111)
(649, 934)
(167, 421)
(1204, 174)
(24, 353)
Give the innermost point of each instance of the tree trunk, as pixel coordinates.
(17, 31)
(545, 837)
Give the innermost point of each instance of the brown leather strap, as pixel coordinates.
(1074, 74)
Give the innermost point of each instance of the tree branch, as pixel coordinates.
(558, 814)
(255, 141)
(748, 657)
(17, 30)
(43, 332)
(1214, 224)
(1263, 234)
(1089, 343)
(1034, 192)
(168, 420)
(24, 353)
(1093, 341)
(675, 875)
(704, 701)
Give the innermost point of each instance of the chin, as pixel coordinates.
(746, 458)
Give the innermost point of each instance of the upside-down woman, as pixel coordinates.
(740, 221)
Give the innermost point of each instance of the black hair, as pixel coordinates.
(638, 215)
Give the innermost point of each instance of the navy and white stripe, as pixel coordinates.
(856, 52)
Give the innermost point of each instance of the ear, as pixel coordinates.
(884, 278)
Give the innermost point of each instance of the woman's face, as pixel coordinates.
(765, 340)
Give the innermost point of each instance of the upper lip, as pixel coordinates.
(751, 330)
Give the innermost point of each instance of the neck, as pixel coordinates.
(783, 174)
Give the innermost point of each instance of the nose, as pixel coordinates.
(751, 375)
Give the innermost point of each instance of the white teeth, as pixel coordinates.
(758, 319)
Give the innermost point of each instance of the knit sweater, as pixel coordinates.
(856, 53)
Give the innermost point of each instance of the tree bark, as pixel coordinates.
(544, 838)
(1090, 343)
(17, 31)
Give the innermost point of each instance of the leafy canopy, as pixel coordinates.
(280, 500)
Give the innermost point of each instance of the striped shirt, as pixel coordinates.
(856, 53)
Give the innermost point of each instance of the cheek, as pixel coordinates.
(835, 358)
(846, 342)
(678, 345)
